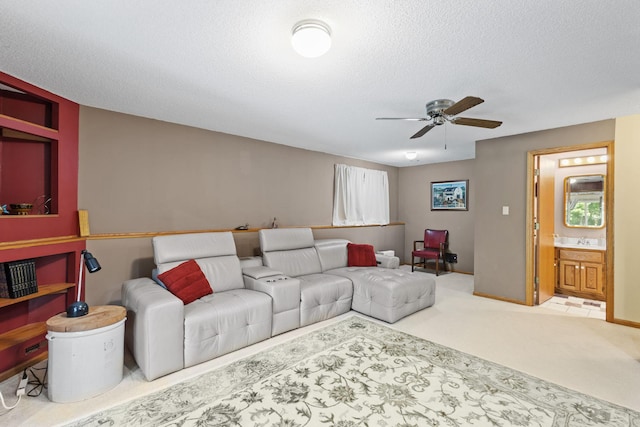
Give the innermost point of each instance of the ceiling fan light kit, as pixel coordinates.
(441, 111)
(311, 38)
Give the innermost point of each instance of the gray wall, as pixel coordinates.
(140, 175)
(414, 204)
(500, 180)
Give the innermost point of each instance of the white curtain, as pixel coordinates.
(361, 196)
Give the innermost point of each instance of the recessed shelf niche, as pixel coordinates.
(27, 152)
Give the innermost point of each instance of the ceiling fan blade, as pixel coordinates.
(463, 105)
(417, 119)
(481, 123)
(422, 131)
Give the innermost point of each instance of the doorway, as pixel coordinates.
(566, 257)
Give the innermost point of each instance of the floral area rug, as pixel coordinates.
(360, 373)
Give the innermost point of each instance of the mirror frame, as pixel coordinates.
(567, 192)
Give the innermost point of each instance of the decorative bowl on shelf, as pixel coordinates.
(21, 208)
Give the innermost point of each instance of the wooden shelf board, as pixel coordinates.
(48, 241)
(10, 133)
(28, 216)
(148, 234)
(21, 334)
(24, 126)
(42, 291)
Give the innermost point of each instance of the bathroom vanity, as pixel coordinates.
(581, 261)
(581, 271)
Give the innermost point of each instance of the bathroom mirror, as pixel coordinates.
(584, 201)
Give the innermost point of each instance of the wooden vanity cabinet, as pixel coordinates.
(581, 273)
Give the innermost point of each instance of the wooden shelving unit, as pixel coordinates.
(38, 161)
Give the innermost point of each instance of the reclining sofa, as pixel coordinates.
(329, 287)
(301, 281)
(165, 335)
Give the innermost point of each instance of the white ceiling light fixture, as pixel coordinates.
(311, 38)
(411, 155)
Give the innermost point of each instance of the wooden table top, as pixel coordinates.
(99, 316)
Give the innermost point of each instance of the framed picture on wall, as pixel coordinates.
(450, 195)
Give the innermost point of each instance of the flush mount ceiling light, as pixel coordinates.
(311, 38)
(411, 155)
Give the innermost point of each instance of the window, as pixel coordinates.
(586, 212)
(361, 196)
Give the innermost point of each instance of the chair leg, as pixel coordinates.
(444, 265)
(413, 259)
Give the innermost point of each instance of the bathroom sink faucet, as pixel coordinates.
(582, 241)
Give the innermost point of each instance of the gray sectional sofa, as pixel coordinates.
(301, 281)
(329, 287)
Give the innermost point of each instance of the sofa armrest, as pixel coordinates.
(252, 261)
(283, 290)
(259, 272)
(285, 297)
(155, 327)
(387, 261)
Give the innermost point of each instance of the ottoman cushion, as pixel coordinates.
(388, 294)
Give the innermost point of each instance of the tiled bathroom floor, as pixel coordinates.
(577, 306)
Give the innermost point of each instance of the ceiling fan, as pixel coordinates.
(441, 111)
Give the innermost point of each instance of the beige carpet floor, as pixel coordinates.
(584, 354)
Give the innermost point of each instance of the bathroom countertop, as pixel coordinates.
(580, 246)
(586, 243)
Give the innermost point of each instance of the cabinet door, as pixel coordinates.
(591, 278)
(569, 275)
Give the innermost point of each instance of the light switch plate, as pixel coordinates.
(505, 210)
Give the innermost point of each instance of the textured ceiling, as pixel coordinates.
(228, 66)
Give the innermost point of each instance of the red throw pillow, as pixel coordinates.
(361, 255)
(186, 281)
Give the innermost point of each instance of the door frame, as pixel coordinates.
(530, 215)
